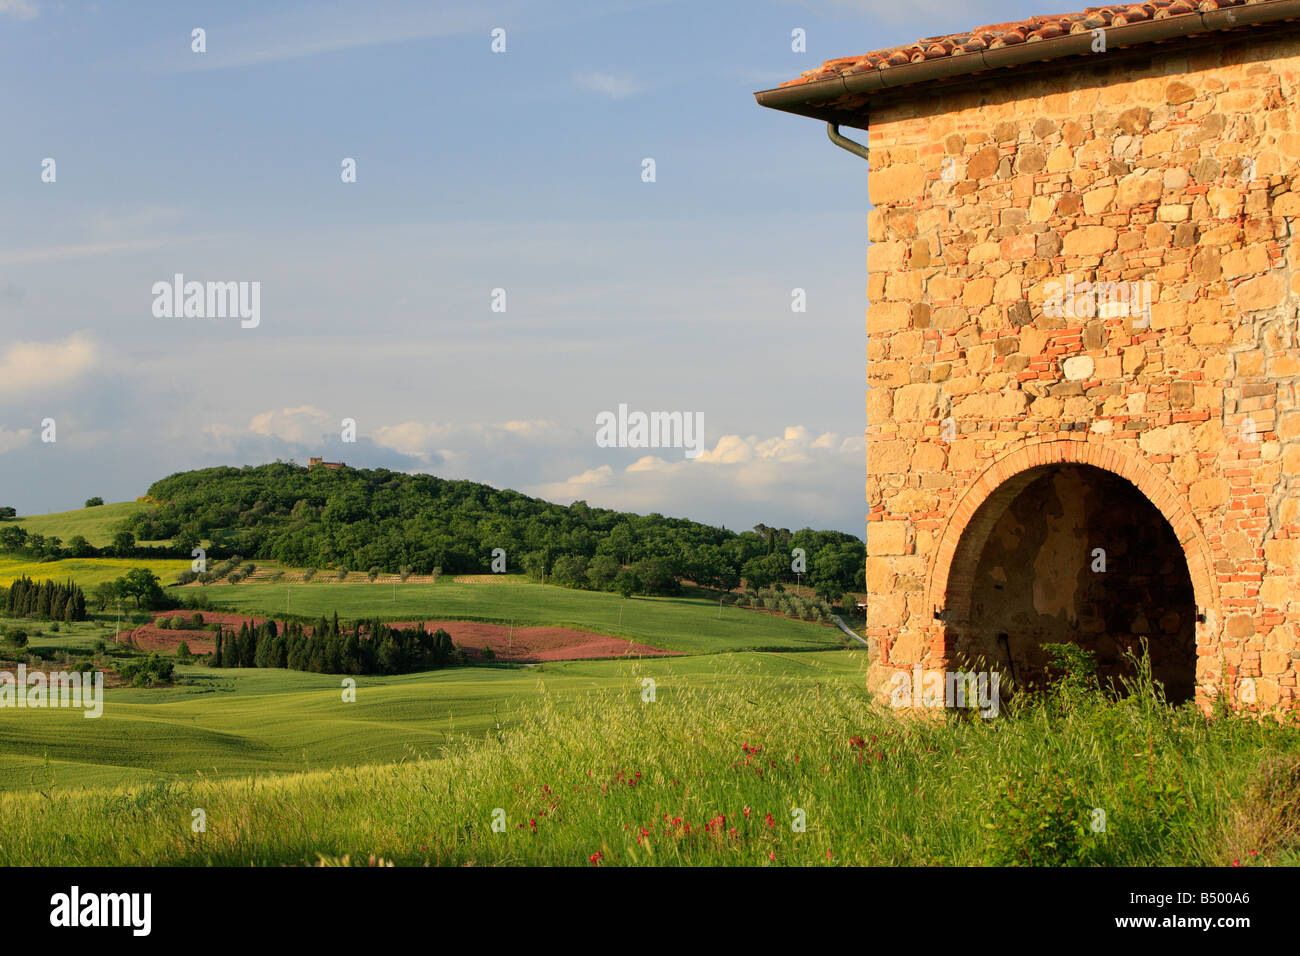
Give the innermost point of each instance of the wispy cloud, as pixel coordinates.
(425, 439)
(615, 86)
(17, 438)
(19, 9)
(312, 31)
(12, 257)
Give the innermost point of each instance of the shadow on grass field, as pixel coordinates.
(689, 624)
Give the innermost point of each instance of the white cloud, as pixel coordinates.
(19, 9)
(27, 367)
(615, 86)
(429, 439)
(798, 472)
(301, 425)
(579, 486)
(9, 440)
(799, 477)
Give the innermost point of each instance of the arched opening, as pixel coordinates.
(1071, 553)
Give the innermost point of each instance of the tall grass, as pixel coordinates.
(720, 774)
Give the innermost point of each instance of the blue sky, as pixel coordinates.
(475, 171)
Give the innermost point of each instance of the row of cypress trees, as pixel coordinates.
(46, 601)
(371, 647)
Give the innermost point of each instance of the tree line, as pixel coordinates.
(15, 539)
(375, 518)
(47, 600)
(370, 647)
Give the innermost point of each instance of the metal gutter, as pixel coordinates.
(813, 98)
(843, 142)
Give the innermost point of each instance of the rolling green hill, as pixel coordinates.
(97, 525)
(690, 624)
(362, 518)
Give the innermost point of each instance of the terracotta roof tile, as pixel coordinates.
(998, 35)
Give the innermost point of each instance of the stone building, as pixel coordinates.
(1082, 419)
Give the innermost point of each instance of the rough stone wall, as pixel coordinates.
(1180, 170)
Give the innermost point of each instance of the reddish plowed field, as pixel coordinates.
(523, 645)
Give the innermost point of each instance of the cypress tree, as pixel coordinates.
(44, 600)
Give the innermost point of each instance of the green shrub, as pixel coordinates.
(1037, 819)
(1071, 669)
(144, 671)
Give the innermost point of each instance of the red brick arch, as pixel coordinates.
(1010, 473)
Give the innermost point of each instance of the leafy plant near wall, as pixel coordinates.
(1037, 819)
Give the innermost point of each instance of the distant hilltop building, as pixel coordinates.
(332, 465)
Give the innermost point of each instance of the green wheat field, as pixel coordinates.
(760, 746)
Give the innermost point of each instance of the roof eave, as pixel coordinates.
(817, 98)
